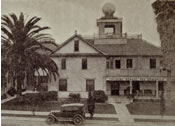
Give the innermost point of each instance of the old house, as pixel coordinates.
(111, 61)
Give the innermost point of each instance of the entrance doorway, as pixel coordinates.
(136, 87)
(115, 88)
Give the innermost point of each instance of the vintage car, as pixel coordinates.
(74, 112)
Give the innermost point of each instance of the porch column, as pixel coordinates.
(157, 89)
(130, 85)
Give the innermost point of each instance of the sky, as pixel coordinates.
(66, 16)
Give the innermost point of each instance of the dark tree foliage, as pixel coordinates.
(165, 17)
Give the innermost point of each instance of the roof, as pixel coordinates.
(50, 46)
(134, 47)
(78, 36)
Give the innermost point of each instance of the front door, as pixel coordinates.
(115, 87)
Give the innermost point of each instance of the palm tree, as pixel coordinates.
(21, 45)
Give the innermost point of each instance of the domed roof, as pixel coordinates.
(108, 9)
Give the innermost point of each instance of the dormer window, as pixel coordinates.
(76, 45)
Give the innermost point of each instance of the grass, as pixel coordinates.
(149, 108)
(153, 120)
(100, 108)
(104, 108)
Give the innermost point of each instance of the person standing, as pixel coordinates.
(91, 104)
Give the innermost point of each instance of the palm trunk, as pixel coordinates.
(19, 85)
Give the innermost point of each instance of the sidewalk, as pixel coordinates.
(8, 99)
(125, 116)
(45, 114)
(123, 113)
(121, 117)
(13, 97)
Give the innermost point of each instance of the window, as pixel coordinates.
(63, 63)
(62, 85)
(117, 64)
(152, 63)
(129, 63)
(109, 29)
(76, 45)
(161, 86)
(84, 63)
(109, 64)
(90, 85)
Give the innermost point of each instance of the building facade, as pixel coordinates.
(111, 61)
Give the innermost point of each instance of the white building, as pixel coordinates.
(110, 61)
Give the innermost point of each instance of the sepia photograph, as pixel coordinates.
(87, 63)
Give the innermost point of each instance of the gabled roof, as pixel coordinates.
(134, 47)
(50, 46)
(79, 37)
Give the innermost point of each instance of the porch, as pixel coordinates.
(142, 88)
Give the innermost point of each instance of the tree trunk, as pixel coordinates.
(19, 86)
(168, 89)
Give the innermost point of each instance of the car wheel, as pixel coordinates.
(50, 120)
(78, 120)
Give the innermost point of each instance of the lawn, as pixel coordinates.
(149, 108)
(100, 108)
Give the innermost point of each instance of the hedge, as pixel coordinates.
(100, 96)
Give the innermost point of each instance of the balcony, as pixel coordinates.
(135, 73)
(110, 36)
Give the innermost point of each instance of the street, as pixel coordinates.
(22, 121)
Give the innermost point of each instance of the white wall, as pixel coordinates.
(76, 77)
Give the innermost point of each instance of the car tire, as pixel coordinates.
(50, 120)
(78, 120)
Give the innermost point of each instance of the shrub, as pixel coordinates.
(100, 96)
(23, 90)
(51, 96)
(48, 96)
(4, 96)
(12, 91)
(75, 97)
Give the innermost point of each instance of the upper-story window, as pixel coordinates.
(84, 63)
(152, 63)
(76, 45)
(129, 63)
(109, 63)
(117, 64)
(63, 63)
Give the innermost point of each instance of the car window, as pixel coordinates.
(72, 108)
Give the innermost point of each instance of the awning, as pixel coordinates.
(136, 79)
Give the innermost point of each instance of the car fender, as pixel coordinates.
(52, 115)
(78, 115)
